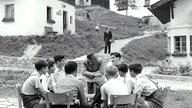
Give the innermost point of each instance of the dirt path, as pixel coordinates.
(118, 45)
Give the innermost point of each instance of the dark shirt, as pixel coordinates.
(107, 36)
(93, 67)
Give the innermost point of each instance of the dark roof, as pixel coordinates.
(162, 9)
(71, 2)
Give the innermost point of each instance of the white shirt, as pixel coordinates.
(47, 81)
(113, 87)
(131, 80)
(58, 74)
(31, 84)
(127, 82)
(144, 85)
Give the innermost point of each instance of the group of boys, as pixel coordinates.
(58, 76)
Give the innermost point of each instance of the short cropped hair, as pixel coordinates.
(123, 67)
(136, 68)
(91, 55)
(40, 64)
(116, 54)
(111, 70)
(50, 63)
(59, 58)
(70, 67)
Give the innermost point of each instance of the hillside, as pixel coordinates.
(146, 51)
(84, 41)
(121, 26)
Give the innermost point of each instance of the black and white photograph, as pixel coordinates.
(95, 53)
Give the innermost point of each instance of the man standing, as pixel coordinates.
(107, 40)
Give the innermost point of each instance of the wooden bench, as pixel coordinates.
(49, 31)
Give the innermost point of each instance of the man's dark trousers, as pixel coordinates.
(107, 46)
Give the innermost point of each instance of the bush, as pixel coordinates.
(183, 70)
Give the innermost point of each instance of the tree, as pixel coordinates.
(124, 4)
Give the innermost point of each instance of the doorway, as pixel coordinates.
(64, 21)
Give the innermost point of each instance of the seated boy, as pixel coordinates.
(113, 86)
(125, 76)
(32, 90)
(145, 88)
(60, 61)
(70, 84)
(47, 79)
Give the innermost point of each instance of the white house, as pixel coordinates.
(35, 17)
(83, 2)
(138, 11)
(178, 13)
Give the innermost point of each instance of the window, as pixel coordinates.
(9, 11)
(180, 44)
(49, 16)
(49, 13)
(191, 43)
(71, 19)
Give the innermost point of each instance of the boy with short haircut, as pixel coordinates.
(126, 77)
(32, 90)
(108, 88)
(60, 61)
(70, 84)
(47, 79)
(145, 88)
(115, 59)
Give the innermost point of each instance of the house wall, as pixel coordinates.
(86, 3)
(24, 23)
(181, 25)
(139, 12)
(31, 17)
(57, 16)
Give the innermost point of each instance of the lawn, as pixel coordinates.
(8, 80)
(146, 51)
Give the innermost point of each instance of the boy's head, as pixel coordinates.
(111, 72)
(123, 69)
(51, 65)
(91, 57)
(135, 69)
(41, 66)
(60, 60)
(115, 58)
(71, 68)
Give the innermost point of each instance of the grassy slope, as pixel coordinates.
(127, 26)
(146, 51)
(83, 42)
(8, 80)
(13, 46)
